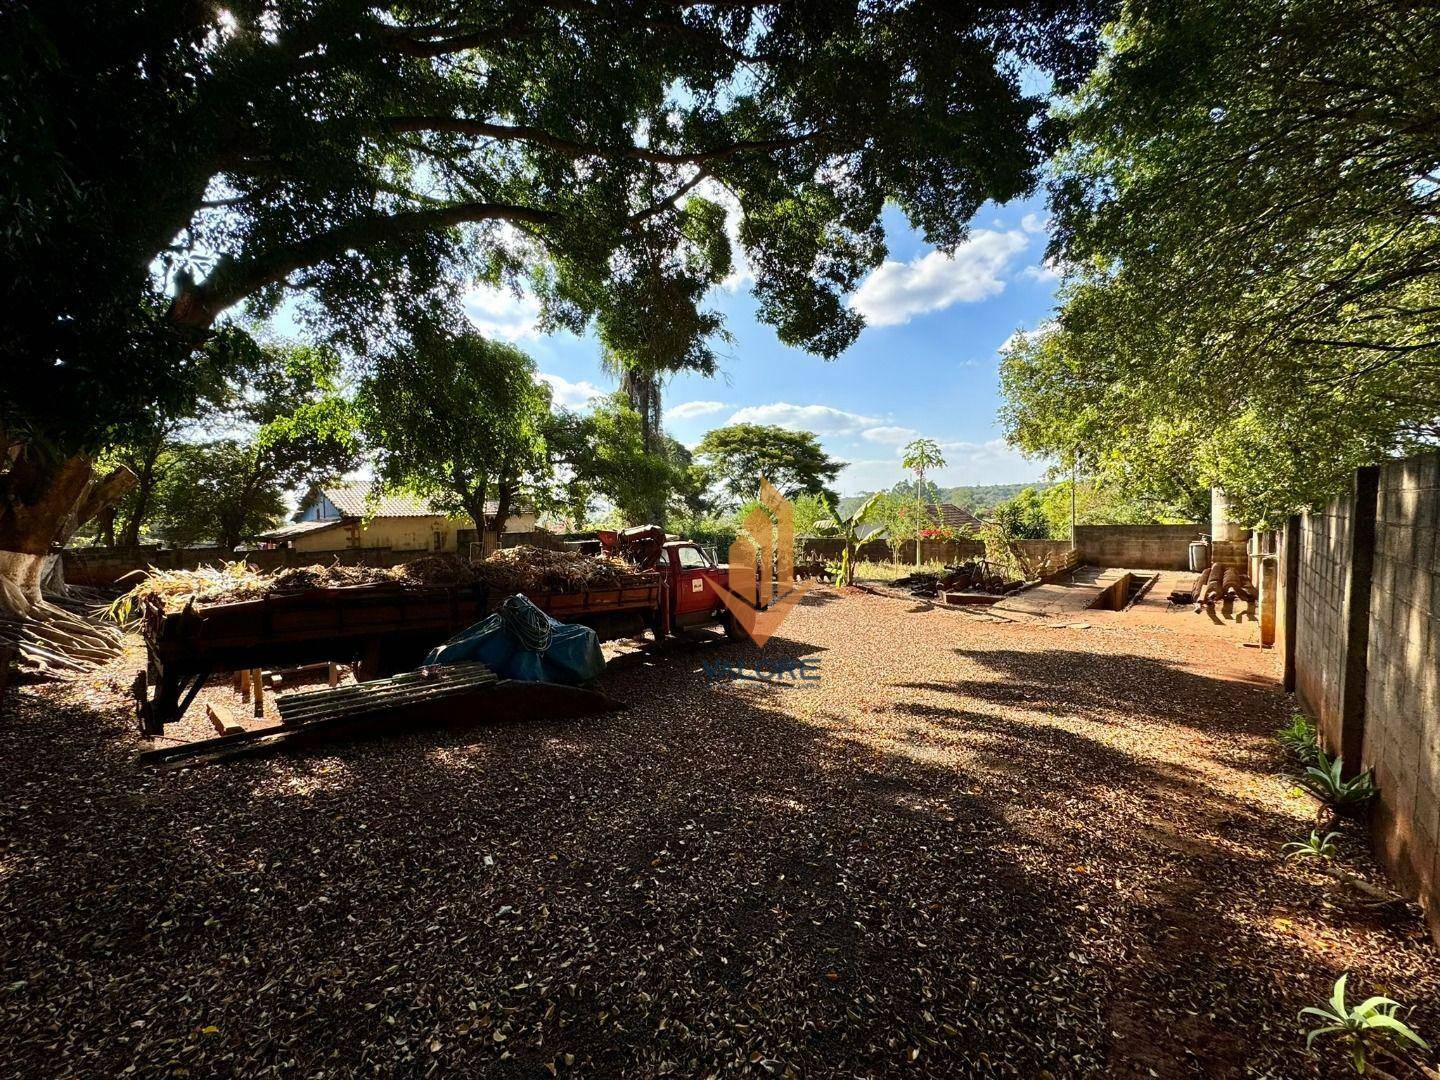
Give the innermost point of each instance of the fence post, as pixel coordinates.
(1291, 554)
(1357, 616)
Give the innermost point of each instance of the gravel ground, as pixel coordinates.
(965, 847)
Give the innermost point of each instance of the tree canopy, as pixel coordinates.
(1245, 206)
(793, 461)
(288, 425)
(455, 417)
(165, 160)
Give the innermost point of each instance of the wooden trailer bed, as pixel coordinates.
(385, 627)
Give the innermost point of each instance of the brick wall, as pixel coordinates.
(1320, 640)
(1402, 685)
(1137, 547)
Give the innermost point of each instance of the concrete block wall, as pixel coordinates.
(1321, 640)
(1402, 686)
(1366, 654)
(1137, 547)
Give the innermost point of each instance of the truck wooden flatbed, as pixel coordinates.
(385, 627)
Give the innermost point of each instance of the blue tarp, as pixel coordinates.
(521, 642)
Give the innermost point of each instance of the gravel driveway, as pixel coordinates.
(959, 847)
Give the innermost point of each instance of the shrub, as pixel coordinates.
(1299, 737)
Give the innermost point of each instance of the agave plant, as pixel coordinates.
(1365, 1027)
(1324, 781)
(1300, 739)
(1316, 847)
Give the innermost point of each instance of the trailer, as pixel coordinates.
(382, 628)
(388, 627)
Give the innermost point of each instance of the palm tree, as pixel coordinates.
(921, 455)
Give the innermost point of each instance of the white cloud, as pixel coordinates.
(895, 292)
(1048, 270)
(500, 313)
(1023, 337)
(820, 419)
(687, 409)
(894, 436)
(571, 394)
(1034, 223)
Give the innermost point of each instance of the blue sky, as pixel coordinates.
(926, 365)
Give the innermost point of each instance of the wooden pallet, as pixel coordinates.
(451, 695)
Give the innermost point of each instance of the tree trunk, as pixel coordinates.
(144, 491)
(43, 500)
(474, 502)
(504, 497)
(642, 389)
(38, 499)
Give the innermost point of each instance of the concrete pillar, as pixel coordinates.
(1290, 551)
(1222, 528)
(1269, 582)
(1357, 618)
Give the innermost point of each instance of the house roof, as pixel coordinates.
(955, 517)
(354, 500)
(298, 528)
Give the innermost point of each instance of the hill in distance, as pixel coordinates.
(976, 498)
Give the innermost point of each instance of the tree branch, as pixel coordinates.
(196, 306)
(573, 148)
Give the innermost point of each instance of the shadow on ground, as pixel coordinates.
(1005, 872)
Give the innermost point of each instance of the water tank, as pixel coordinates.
(1199, 555)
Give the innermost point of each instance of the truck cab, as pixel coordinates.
(690, 579)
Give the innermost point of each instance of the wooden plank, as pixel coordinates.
(223, 722)
(257, 689)
(381, 698)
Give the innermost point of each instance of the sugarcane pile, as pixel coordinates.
(522, 569)
(1221, 582)
(539, 570)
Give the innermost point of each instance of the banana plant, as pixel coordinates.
(849, 528)
(1366, 1028)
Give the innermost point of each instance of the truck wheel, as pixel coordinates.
(733, 630)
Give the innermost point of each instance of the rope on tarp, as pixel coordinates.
(526, 623)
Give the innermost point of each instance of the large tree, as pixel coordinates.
(163, 161)
(1247, 210)
(458, 418)
(289, 425)
(739, 455)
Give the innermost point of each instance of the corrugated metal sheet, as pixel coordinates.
(299, 528)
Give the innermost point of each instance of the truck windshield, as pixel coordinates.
(692, 559)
